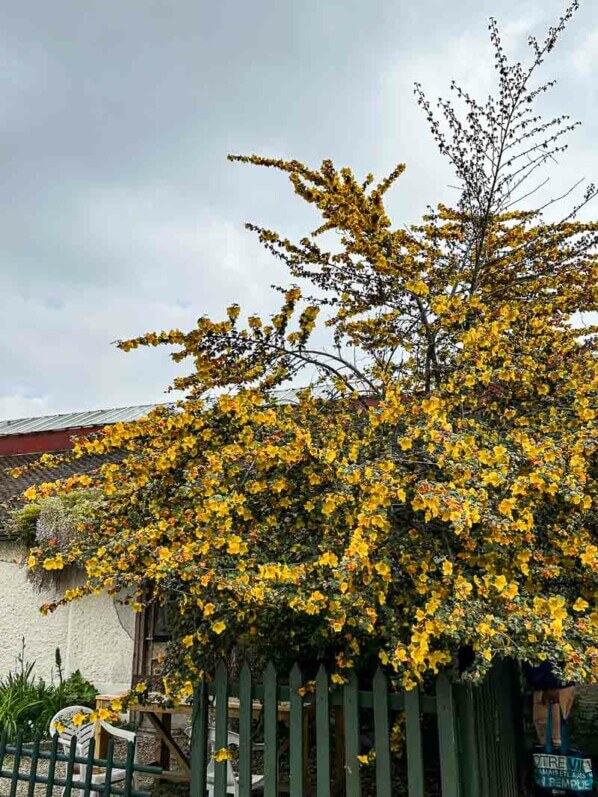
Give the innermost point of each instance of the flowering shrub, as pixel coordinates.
(434, 487)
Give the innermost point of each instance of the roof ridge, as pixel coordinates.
(74, 420)
(78, 412)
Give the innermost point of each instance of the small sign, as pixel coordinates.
(563, 772)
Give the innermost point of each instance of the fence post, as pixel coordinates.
(447, 738)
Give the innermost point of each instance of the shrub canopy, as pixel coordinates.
(434, 486)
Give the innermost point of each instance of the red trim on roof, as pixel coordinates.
(42, 442)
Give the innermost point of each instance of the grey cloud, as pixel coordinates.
(119, 211)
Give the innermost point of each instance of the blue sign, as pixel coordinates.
(563, 772)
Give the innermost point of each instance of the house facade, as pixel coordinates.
(95, 635)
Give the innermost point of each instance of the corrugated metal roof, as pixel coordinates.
(78, 420)
(74, 420)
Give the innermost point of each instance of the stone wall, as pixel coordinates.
(94, 635)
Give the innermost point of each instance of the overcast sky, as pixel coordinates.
(120, 213)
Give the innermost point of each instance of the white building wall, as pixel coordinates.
(94, 635)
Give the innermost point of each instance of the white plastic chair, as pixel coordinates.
(232, 779)
(84, 734)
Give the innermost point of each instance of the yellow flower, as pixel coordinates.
(222, 755)
(463, 587)
(188, 640)
(447, 568)
(382, 568)
(506, 506)
(580, 605)
(418, 287)
(500, 582)
(492, 478)
(186, 690)
(218, 627)
(234, 544)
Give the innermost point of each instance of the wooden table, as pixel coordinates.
(161, 718)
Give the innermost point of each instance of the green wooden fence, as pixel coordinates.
(20, 762)
(318, 747)
(309, 739)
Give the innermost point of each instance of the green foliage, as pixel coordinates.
(21, 700)
(28, 703)
(76, 691)
(56, 518)
(23, 523)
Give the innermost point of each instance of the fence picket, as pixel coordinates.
(70, 767)
(245, 732)
(447, 738)
(296, 733)
(199, 740)
(3, 740)
(109, 762)
(16, 764)
(270, 732)
(472, 785)
(351, 705)
(33, 764)
(52, 766)
(89, 766)
(415, 760)
(129, 768)
(381, 735)
(221, 731)
(322, 734)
